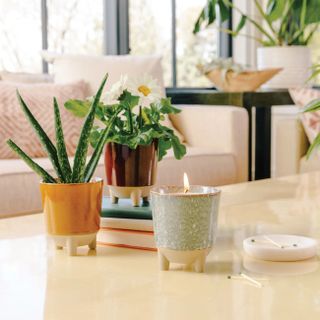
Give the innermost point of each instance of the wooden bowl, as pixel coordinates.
(240, 81)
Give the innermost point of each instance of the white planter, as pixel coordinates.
(295, 61)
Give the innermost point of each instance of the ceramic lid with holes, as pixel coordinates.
(280, 247)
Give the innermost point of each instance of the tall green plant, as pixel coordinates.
(58, 154)
(284, 22)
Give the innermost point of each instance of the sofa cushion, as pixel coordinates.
(39, 98)
(19, 185)
(203, 166)
(74, 67)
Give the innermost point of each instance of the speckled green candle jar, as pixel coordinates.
(184, 223)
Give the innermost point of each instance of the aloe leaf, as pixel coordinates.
(61, 147)
(44, 139)
(93, 162)
(34, 166)
(82, 148)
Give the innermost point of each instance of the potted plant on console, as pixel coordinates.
(286, 28)
(138, 138)
(71, 199)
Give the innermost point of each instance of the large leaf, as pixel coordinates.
(179, 149)
(166, 107)
(224, 11)
(241, 24)
(275, 9)
(207, 15)
(82, 148)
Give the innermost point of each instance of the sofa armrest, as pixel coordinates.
(291, 145)
(217, 128)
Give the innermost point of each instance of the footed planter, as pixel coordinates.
(72, 213)
(130, 173)
(184, 224)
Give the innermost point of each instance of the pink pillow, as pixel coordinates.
(310, 120)
(39, 98)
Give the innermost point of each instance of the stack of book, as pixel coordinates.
(123, 225)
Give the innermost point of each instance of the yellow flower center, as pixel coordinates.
(144, 90)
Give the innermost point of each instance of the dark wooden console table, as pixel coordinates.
(261, 100)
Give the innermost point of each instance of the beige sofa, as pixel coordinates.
(291, 145)
(216, 139)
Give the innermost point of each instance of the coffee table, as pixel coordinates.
(37, 282)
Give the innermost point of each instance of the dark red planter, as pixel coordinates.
(126, 167)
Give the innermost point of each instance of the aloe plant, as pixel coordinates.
(58, 154)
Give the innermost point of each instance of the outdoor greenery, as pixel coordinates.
(81, 172)
(134, 124)
(290, 22)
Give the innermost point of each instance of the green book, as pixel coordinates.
(124, 209)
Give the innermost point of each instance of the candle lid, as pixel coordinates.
(280, 247)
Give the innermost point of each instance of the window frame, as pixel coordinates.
(116, 33)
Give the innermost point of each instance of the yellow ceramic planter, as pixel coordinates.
(72, 212)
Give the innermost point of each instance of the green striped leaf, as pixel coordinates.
(61, 147)
(44, 139)
(82, 148)
(34, 166)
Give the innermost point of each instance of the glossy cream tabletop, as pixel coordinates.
(37, 282)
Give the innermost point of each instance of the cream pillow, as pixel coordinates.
(310, 120)
(39, 97)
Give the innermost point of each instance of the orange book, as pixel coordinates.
(127, 238)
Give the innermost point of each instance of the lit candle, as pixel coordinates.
(185, 223)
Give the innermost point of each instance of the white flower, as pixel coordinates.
(116, 90)
(146, 88)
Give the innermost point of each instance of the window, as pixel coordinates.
(165, 27)
(20, 35)
(111, 27)
(75, 26)
(150, 31)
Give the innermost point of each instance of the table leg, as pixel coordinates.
(263, 143)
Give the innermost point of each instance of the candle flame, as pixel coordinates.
(186, 185)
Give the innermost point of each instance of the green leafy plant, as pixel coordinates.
(285, 22)
(81, 172)
(135, 124)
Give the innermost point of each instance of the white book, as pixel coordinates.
(128, 224)
(133, 239)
